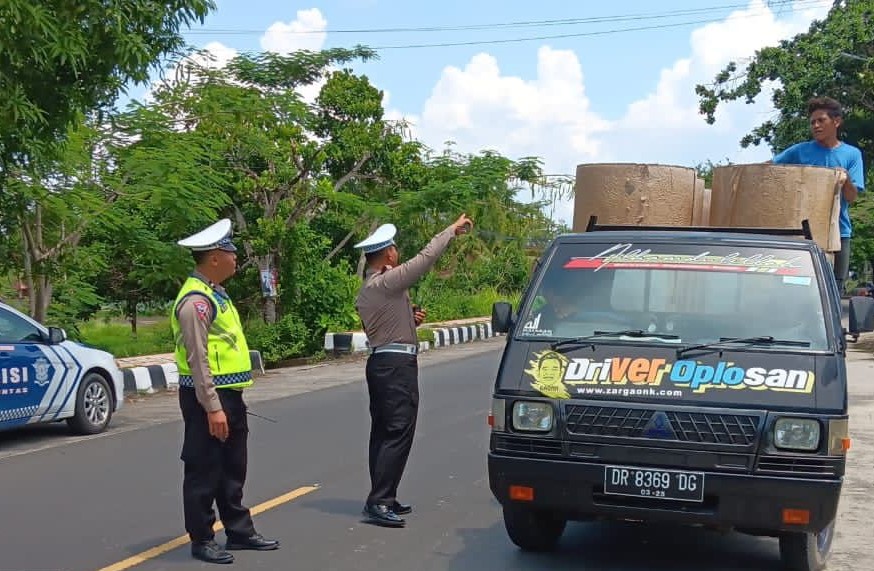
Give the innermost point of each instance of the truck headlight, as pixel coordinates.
(796, 434)
(532, 416)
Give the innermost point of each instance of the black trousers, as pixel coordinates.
(842, 264)
(393, 386)
(215, 471)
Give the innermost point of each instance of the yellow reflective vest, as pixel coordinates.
(229, 360)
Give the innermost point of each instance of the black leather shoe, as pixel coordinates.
(401, 509)
(382, 515)
(210, 552)
(256, 542)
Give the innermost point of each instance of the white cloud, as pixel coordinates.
(478, 107)
(551, 116)
(218, 55)
(674, 105)
(306, 32)
(213, 55)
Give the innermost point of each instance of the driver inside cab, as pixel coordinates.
(568, 299)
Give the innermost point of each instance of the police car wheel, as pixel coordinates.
(93, 406)
(807, 551)
(533, 530)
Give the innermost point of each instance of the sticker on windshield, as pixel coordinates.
(621, 256)
(532, 327)
(557, 376)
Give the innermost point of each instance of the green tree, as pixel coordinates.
(285, 161)
(167, 189)
(63, 63)
(62, 58)
(57, 200)
(835, 58)
(508, 235)
(705, 171)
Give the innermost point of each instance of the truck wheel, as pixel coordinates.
(93, 406)
(807, 551)
(532, 530)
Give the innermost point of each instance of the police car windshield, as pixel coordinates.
(700, 295)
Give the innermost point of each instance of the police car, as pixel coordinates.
(46, 378)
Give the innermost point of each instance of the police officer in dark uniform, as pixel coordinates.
(214, 367)
(390, 322)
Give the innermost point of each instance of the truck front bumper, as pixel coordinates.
(741, 501)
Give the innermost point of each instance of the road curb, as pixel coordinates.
(153, 378)
(356, 341)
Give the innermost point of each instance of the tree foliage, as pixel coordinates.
(62, 64)
(98, 197)
(834, 58)
(284, 160)
(62, 58)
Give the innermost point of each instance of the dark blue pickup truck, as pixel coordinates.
(686, 375)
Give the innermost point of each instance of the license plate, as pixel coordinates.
(650, 483)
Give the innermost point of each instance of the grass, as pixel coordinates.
(116, 337)
(153, 333)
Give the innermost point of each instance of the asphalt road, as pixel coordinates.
(86, 504)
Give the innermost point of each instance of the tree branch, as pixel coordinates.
(241, 224)
(297, 213)
(343, 242)
(71, 239)
(30, 245)
(353, 172)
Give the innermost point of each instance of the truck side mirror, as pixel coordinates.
(861, 314)
(502, 316)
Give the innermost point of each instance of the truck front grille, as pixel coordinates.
(715, 428)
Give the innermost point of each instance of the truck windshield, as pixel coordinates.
(681, 293)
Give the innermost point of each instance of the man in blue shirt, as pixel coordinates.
(826, 150)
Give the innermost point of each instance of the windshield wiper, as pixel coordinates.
(757, 340)
(621, 332)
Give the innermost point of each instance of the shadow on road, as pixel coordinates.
(34, 437)
(335, 506)
(34, 434)
(620, 547)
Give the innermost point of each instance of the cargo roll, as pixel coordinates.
(778, 196)
(701, 205)
(634, 194)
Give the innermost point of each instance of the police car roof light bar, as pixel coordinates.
(593, 226)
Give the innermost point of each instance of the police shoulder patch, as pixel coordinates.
(202, 309)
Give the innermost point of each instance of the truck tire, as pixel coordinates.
(533, 530)
(807, 551)
(93, 406)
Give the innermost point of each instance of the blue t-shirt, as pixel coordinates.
(844, 155)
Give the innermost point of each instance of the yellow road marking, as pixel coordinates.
(183, 539)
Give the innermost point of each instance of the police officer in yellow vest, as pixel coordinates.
(214, 367)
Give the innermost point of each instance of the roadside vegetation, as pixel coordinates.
(93, 197)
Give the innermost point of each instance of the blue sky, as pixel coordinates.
(613, 97)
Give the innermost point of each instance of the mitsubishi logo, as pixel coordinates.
(659, 427)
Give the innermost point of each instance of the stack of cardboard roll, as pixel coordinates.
(636, 194)
(779, 196)
(750, 195)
